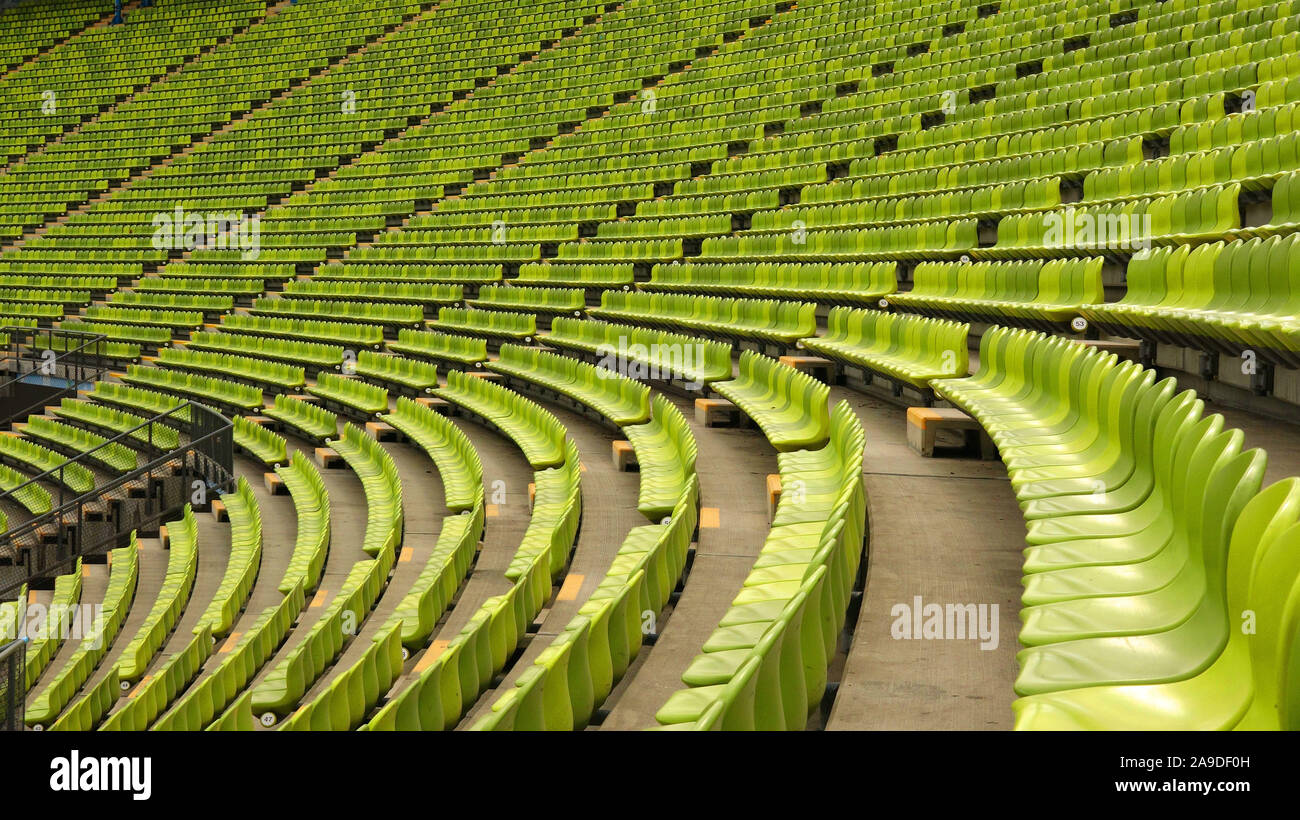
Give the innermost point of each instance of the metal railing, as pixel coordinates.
(72, 356)
(199, 468)
(13, 685)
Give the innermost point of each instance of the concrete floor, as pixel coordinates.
(506, 472)
(609, 512)
(733, 465)
(423, 510)
(947, 530)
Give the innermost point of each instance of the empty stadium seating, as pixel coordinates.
(412, 226)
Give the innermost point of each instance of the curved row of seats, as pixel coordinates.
(442, 692)
(1148, 535)
(765, 666)
(97, 639)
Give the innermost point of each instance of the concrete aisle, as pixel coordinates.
(608, 511)
(733, 465)
(947, 530)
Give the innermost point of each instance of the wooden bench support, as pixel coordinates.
(818, 367)
(773, 494)
(716, 413)
(435, 403)
(624, 456)
(274, 484)
(329, 459)
(382, 431)
(924, 424)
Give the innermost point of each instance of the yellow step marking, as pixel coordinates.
(490, 510)
(710, 518)
(569, 591)
(431, 654)
(406, 556)
(231, 640)
(319, 598)
(139, 686)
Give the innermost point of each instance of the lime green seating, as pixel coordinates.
(411, 293)
(452, 452)
(764, 667)
(242, 397)
(773, 321)
(115, 455)
(1248, 684)
(210, 695)
(174, 319)
(642, 353)
(432, 592)
(665, 453)
(382, 484)
(362, 399)
(1029, 293)
(311, 503)
(90, 708)
(173, 595)
(242, 565)
(152, 696)
(614, 396)
(445, 688)
(118, 332)
(75, 476)
(267, 447)
(32, 496)
(152, 402)
(367, 313)
(563, 301)
(124, 571)
(303, 353)
(344, 703)
(536, 432)
(1122, 226)
(430, 344)
(114, 421)
(127, 351)
(854, 283)
(789, 406)
(905, 348)
(1130, 495)
(45, 640)
(316, 423)
(345, 334)
(408, 374)
(492, 324)
(1218, 297)
(551, 274)
(256, 371)
(13, 616)
(576, 672)
(280, 689)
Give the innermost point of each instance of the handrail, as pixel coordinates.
(13, 685)
(208, 455)
(85, 455)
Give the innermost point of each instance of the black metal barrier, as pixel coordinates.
(68, 358)
(194, 472)
(13, 685)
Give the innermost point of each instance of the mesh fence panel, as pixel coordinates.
(13, 684)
